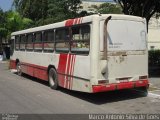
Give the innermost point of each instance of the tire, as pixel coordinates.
(53, 78)
(19, 69)
(143, 91)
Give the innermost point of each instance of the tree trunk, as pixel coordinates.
(0, 44)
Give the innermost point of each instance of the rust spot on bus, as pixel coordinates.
(118, 54)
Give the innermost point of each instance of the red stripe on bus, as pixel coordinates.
(69, 22)
(35, 70)
(141, 83)
(75, 21)
(33, 65)
(72, 71)
(125, 85)
(46, 44)
(119, 86)
(38, 44)
(62, 68)
(103, 88)
(79, 21)
(12, 64)
(68, 70)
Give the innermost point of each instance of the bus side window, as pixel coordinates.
(62, 40)
(80, 43)
(22, 42)
(38, 45)
(48, 41)
(29, 45)
(17, 41)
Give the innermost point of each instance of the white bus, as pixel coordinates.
(91, 54)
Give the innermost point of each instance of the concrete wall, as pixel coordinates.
(154, 38)
(154, 34)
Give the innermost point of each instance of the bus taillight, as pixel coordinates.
(143, 77)
(103, 81)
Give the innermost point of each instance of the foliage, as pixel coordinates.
(142, 8)
(3, 30)
(108, 8)
(61, 10)
(32, 9)
(154, 58)
(15, 22)
(47, 11)
(11, 21)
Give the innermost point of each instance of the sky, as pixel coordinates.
(6, 4)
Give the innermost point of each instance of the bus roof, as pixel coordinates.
(71, 22)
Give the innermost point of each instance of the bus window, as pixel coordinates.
(62, 40)
(38, 41)
(49, 41)
(29, 45)
(17, 41)
(22, 42)
(80, 39)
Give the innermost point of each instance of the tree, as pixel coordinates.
(47, 11)
(108, 8)
(3, 30)
(32, 9)
(142, 8)
(11, 22)
(2, 23)
(64, 9)
(15, 22)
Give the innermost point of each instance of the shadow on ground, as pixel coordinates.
(96, 98)
(154, 72)
(105, 97)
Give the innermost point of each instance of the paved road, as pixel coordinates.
(32, 96)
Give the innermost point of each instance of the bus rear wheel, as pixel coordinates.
(53, 78)
(143, 91)
(19, 69)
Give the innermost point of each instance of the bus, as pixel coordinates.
(97, 53)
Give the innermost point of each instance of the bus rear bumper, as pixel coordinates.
(120, 86)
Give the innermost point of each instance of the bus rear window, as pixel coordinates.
(126, 35)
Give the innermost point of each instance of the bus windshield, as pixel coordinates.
(126, 35)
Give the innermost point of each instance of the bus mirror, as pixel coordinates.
(105, 34)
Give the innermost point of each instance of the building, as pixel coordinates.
(87, 4)
(154, 34)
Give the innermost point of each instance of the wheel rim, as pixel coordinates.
(52, 77)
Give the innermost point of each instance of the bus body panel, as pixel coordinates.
(127, 55)
(125, 67)
(75, 76)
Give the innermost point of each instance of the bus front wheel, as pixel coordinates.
(53, 78)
